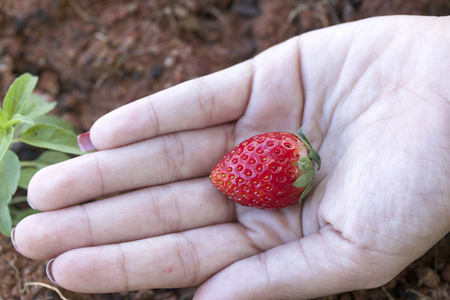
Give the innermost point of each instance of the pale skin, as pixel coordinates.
(373, 97)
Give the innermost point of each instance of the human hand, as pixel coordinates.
(373, 97)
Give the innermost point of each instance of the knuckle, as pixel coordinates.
(166, 210)
(123, 266)
(206, 99)
(99, 173)
(175, 214)
(153, 117)
(86, 228)
(174, 155)
(262, 258)
(189, 258)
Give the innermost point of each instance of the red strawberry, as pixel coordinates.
(269, 171)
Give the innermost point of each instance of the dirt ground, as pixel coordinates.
(94, 56)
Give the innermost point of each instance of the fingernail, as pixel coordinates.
(29, 203)
(48, 270)
(84, 142)
(13, 239)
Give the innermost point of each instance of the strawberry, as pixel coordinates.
(269, 171)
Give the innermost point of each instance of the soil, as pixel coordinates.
(94, 56)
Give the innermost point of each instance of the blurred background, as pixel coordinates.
(94, 56)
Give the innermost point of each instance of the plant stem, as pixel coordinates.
(26, 163)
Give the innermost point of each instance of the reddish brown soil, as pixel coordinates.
(93, 56)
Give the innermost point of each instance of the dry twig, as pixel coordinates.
(16, 273)
(385, 291)
(34, 283)
(80, 12)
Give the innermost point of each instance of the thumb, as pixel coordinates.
(317, 265)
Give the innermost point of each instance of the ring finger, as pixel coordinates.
(135, 215)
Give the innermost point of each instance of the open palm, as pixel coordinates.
(373, 97)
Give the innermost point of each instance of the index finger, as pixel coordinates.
(210, 100)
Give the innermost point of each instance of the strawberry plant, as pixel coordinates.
(269, 171)
(24, 119)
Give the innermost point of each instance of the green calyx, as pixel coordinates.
(312, 153)
(305, 164)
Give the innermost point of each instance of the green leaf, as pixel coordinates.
(51, 137)
(6, 136)
(48, 120)
(9, 178)
(25, 176)
(19, 92)
(3, 118)
(9, 174)
(5, 221)
(37, 106)
(18, 118)
(49, 158)
(54, 120)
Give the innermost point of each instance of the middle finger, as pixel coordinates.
(152, 162)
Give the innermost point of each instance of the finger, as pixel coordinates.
(156, 161)
(132, 216)
(214, 99)
(317, 265)
(175, 260)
